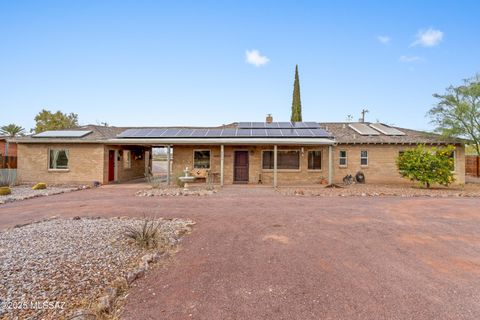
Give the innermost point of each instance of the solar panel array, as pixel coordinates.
(389, 131)
(363, 129)
(278, 125)
(224, 133)
(62, 134)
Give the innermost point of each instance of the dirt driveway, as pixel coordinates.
(255, 254)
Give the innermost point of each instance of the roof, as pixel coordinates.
(344, 134)
(336, 132)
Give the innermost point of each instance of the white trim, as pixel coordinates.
(363, 165)
(220, 141)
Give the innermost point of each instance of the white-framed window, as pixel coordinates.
(342, 158)
(201, 159)
(364, 158)
(286, 159)
(314, 160)
(127, 159)
(58, 159)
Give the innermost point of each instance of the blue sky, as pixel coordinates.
(185, 62)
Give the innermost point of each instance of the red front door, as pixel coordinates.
(111, 165)
(240, 168)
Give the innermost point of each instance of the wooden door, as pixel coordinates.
(240, 168)
(111, 165)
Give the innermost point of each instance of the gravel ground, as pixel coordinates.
(175, 192)
(68, 262)
(373, 190)
(23, 192)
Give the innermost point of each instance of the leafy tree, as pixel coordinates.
(12, 130)
(296, 103)
(427, 165)
(46, 120)
(458, 111)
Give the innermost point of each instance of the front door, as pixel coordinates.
(240, 168)
(111, 165)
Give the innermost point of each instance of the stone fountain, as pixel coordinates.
(186, 179)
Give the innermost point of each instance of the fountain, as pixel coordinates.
(186, 179)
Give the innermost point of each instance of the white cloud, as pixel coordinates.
(256, 58)
(410, 59)
(384, 39)
(428, 38)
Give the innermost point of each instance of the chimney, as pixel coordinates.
(269, 118)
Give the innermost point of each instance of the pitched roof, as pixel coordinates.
(343, 133)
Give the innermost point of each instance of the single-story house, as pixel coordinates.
(269, 153)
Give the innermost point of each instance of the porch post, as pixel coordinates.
(275, 166)
(222, 160)
(330, 165)
(168, 165)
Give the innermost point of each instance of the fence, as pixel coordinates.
(472, 166)
(9, 162)
(8, 177)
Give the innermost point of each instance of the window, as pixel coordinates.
(286, 160)
(58, 159)
(342, 158)
(453, 157)
(127, 159)
(314, 160)
(364, 158)
(201, 159)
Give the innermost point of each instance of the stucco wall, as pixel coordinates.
(381, 166)
(85, 164)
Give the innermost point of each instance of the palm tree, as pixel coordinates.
(12, 130)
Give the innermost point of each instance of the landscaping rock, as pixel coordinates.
(175, 192)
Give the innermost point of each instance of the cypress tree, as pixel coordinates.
(296, 103)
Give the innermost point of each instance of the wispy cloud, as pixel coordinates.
(410, 59)
(256, 58)
(428, 38)
(384, 39)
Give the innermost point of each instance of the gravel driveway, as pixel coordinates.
(257, 254)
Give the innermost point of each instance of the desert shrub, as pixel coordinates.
(5, 191)
(40, 186)
(427, 165)
(146, 234)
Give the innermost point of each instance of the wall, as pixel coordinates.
(183, 157)
(137, 169)
(472, 166)
(85, 164)
(381, 167)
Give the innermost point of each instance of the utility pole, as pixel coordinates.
(364, 111)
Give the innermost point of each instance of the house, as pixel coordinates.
(269, 153)
(8, 153)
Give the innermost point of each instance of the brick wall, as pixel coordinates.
(381, 166)
(85, 164)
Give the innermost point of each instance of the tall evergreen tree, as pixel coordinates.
(296, 103)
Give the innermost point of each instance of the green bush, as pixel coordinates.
(40, 186)
(5, 191)
(428, 165)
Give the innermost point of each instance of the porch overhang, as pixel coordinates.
(222, 141)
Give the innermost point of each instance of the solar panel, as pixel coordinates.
(389, 131)
(363, 129)
(62, 134)
(281, 125)
(223, 133)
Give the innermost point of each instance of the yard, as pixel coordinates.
(259, 254)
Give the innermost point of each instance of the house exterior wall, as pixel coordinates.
(381, 166)
(85, 164)
(12, 148)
